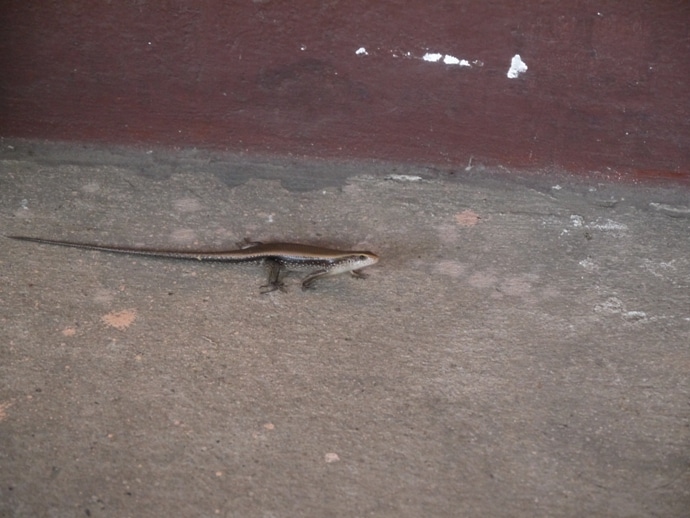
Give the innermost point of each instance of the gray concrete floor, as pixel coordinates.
(522, 348)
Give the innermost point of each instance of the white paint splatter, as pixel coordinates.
(435, 57)
(403, 178)
(577, 221)
(517, 67)
(431, 57)
(452, 60)
(588, 264)
(615, 306)
(608, 224)
(658, 269)
(612, 305)
(669, 210)
(634, 316)
(331, 457)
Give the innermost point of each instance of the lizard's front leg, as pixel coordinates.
(274, 282)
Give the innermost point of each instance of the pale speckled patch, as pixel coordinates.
(263, 433)
(482, 280)
(353, 190)
(183, 235)
(103, 296)
(447, 233)
(467, 218)
(23, 213)
(225, 234)
(519, 286)
(4, 406)
(120, 320)
(451, 268)
(550, 293)
(91, 187)
(187, 205)
(267, 217)
(69, 331)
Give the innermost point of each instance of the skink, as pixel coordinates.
(276, 256)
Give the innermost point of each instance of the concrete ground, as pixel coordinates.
(521, 349)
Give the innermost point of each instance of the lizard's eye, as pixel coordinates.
(363, 258)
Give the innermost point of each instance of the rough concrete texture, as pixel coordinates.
(522, 348)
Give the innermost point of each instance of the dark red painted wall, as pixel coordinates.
(607, 88)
